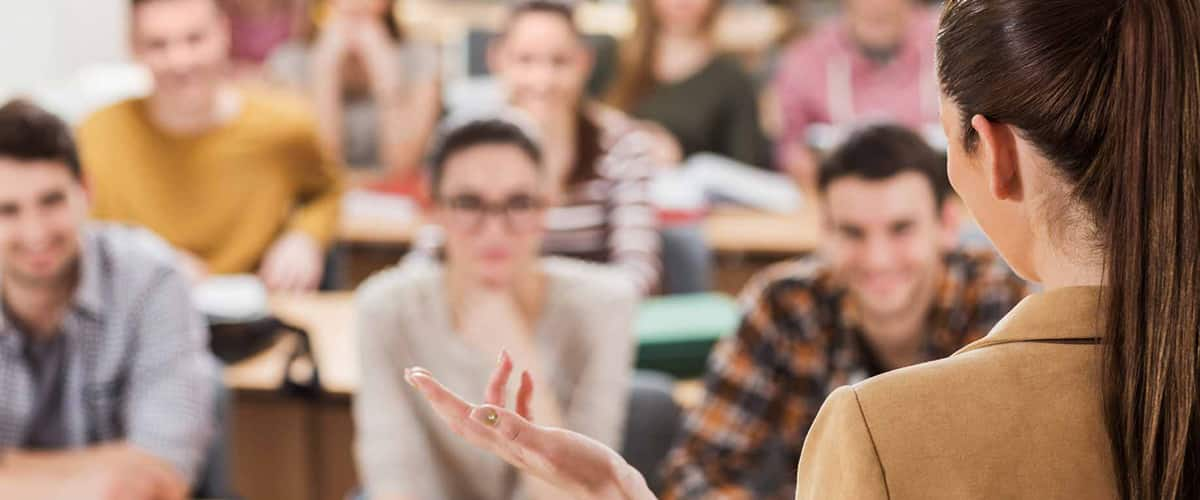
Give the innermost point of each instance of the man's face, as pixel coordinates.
(185, 45)
(879, 24)
(886, 238)
(42, 209)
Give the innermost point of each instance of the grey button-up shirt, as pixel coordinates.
(136, 364)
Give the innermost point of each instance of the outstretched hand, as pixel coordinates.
(568, 460)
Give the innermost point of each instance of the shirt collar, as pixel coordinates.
(89, 296)
(1070, 313)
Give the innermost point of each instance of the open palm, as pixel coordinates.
(568, 460)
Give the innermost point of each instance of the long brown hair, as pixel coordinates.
(1109, 91)
(635, 78)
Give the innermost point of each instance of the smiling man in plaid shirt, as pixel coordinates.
(889, 290)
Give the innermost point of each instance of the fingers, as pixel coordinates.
(167, 482)
(491, 427)
(506, 433)
(525, 396)
(497, 391)
(448, 405)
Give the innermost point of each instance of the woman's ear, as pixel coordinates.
(997, 150)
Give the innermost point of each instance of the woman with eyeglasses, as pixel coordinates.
(565, 325)
(1074, 130)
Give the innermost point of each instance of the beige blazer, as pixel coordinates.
(1014, 415)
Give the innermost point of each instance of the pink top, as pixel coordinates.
(826, 79)
(254, 38)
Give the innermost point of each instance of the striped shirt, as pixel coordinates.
(608, 218)
(800, 338)
(135, 362)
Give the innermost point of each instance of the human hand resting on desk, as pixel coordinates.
(294, 263)
(570, 461)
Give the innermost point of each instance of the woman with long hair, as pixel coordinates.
(1074, 131)
(377, 93)
(672, 77)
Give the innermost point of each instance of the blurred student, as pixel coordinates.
(875, 63)
(234, 178)
(258, 27)
(567, 323)
(889, 290)
(597, 161)
(377, 94)
(696, 100)
(82, 414)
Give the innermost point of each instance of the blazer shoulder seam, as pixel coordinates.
(874, 448)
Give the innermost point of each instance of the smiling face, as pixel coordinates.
(490, 206)
(42, 210)
(185, 46)
(879, 24)
(886, 240)
(542, 62)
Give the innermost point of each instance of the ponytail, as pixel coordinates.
(1152, 358)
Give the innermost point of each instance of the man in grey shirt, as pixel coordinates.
(106, 386)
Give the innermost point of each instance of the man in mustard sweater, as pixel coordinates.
(234, 178)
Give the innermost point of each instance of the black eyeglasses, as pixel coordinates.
(520, 211)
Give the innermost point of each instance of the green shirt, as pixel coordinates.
(712, 111)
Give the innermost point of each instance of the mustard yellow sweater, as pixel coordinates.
(224, 195)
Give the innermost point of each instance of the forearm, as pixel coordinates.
(407, 125)
(327, 102)
(15, 483)
(44, 463)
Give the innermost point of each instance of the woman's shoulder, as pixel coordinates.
(1032, 409)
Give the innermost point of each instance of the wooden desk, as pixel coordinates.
(727, 230)
(739, 28)
(330, 322)
(745, 231)
(381, 231)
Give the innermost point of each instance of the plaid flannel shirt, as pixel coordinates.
(799, 340)
(137, 366)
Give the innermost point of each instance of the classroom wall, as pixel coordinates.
(43, 42)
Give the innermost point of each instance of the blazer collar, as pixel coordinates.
(1071, 314)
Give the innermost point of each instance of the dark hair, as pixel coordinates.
(553, 7)
(588, 147)
(30, 133)
(477, 133)
(881, 152)
(1109, 92)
